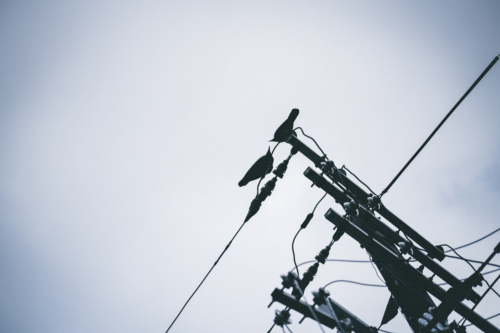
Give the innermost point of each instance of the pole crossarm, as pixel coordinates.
(362, 197)
(402, 272)
(389, 251)
(385, 235)
(322, 312)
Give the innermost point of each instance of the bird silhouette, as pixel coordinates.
(279, 135)
(259, 169)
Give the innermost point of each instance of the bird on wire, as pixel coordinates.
(279, 135)
(259, 169)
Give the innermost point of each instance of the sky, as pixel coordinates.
(125, 127)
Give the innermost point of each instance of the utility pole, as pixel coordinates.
(408, 285)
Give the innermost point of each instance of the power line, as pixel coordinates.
(337, 260)
(452, 249)
(355, 282)
(271, 328)
(225, 249)
(462, 246)
(293, 252)
(471, 260)
(344, 167)
(318, 203)
(303, 226)
(493, 271)
(367, 261)
(440, 124)
(474, 242)
(384, 286)
(351, 261)
(307, 136)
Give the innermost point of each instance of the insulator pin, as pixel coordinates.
(306, 279)
(320, 296)
(405, 247)
(287, 280)
(323, 254)
(265, 191)
(282, 318)
(373, 201)
(351, 208)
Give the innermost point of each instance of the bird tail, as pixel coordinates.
(242, 183)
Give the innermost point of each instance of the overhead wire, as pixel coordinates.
(271, 328)
(493, 271)
(293, 252)
(462, 246)
(216, 262)
(319, 202)
(459, 256)
(472, 260)
(468, 244)
(440, 124)
(349, 260)
(339, 260)
(293, 242)
(307, 136)
(476, 241)
(272, 152)
(355, 282)
(369, 261)
(368, 187)
(379, 285)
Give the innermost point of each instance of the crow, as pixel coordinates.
(279, 135)
(259, 169)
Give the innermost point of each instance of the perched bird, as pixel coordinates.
(279, 135)
(259, 169)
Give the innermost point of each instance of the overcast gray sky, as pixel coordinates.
(126, 126)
